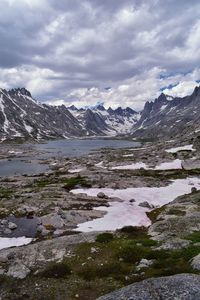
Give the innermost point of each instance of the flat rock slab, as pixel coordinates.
(20, 260)
(180, 287)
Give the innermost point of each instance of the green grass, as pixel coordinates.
(56, 270)
(194, 237)
(133, 231)
(6, 193)
(114, 269)
(71, 183)
(105, 237)
(153, 215)
(176, 212)
(99, 267)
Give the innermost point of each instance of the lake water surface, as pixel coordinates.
(80, 147)
(57, 148)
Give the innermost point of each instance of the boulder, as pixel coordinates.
(191, 164)
(181, 286)
(146, 205)
(19, 271)
(7, 231)
(101, 195)
(12, 226)
(132, 200)
(193, 189)
(3, 259)
(4, 222)
(53, 220)
(195, 263)
(144, 263)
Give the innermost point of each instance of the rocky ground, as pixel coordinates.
(62, 263)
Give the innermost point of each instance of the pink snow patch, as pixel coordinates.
(171, 165)
(121, 214)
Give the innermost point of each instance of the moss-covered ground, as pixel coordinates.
(102, 266)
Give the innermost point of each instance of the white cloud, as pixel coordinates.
(72, 50)
(184, 88)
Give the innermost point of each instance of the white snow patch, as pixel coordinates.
(75, 171)
(134, 166)
(136, 149)
(28, 128)
(15, 152)
(6, 122)
(182, 148)
(14, 242)
(100, 165)
(120, 214)
(163, 107)
(171, 165)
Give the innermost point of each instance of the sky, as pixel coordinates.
(116, 52)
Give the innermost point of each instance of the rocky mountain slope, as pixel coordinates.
(111, 122)
(166, 117)
(169, 117)
(23, 117)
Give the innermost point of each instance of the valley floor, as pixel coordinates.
(93, 224)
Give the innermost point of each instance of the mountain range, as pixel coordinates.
(23, 117)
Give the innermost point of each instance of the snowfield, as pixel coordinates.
(75, 170)
(14, 242)
(182, 148)
(134, 166)
(171, 165)
(120, 214)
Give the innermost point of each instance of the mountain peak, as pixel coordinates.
(100, 107)
(162, 98)
(72, 107)
(22, 91)
(196, 91)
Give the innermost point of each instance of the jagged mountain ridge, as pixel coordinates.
(109, 121)
(169, 117)
(23, 117)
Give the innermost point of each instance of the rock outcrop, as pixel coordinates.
(182, 286)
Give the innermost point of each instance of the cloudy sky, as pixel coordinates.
(120, 52)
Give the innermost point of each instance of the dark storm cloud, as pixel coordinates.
(57, 47)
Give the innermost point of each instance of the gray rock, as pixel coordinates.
(45, 232)
(144, 263)
(58, 232)
(195, 263)
(11, 255)
(101, 195)
(174, 244)
(179, 287)
(191, 164)
(12, 225)
(53, 220)
(2, 271)
(132, 200)
(116, 199)
(19, 271)
(3, 259)
(4, 222)
(7, 231)
(193, 190)
(40, 228)
(146, 205)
